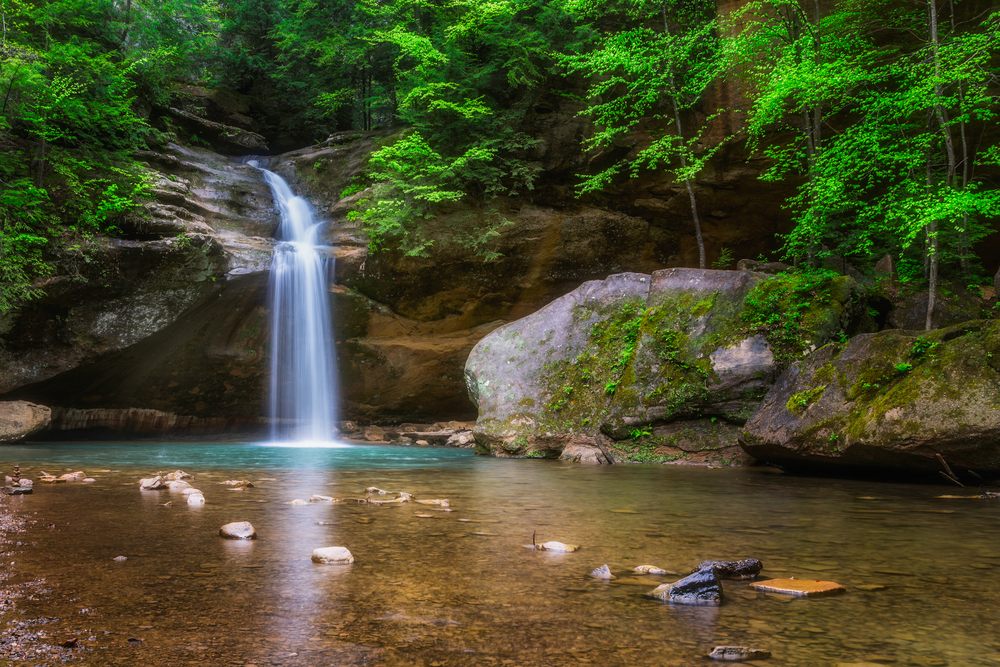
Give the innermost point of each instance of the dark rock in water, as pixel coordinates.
(16, 490)
(738, 653)
(238, 530)
(702, 587)
(891, 400)
(746, 568)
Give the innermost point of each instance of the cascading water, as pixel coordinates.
(303, 397)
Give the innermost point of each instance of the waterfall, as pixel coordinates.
(302, 404)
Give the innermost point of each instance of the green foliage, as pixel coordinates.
(798, 403)
(725, 260)
(777, 307)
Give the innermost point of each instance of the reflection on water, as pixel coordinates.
(458, 588)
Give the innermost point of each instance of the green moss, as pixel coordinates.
(801, 401)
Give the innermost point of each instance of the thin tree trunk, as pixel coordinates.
(942, 119)
(680, 138)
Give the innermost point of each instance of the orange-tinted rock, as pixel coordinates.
(798, 586)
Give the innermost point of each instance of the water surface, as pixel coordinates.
(459, 588)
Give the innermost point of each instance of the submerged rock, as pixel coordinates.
(894, 399)
(650, 569)
(16, 490)
(738, 653)
(321, 499)
(442, 502)
(178, 485)
(701, 588)
(557, 546)
(337, 555)
(196, 499)
(19, 419)
(74, 476)
(603, 572)
(747, 568)
(177, 475)
(238, 530)
(238, 483)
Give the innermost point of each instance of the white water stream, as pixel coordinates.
(302, 402)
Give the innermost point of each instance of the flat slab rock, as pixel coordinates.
(738, 653)
(798, 586)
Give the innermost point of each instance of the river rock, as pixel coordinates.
(238, 483)
(701, 588)
(802, 587)
(375, 434)
(74, 476)
(738, 653)
(557, 546)
(464, 439)
(890, 400)
(24, 481)
(649, 569)
(321, 499)
(598, 360)
(152, 484)
(603, 572)
(584, 450)
(191, 490)
(195, 499)
(177, 475)
(19, 419)
(177, 485)
(337, 555)
(747, 568)
(16, 490)
(238, 530)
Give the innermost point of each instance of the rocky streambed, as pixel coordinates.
(453, 584)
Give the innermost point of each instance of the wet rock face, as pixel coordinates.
(630, 357)
(891, 400)
(19, 419)
(701, 588)
(206, 220)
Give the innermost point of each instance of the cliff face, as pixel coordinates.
(164, 330)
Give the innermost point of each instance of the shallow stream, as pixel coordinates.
(459, 588)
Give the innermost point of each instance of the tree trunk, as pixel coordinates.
(680, 137)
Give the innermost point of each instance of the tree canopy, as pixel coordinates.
(882, 114)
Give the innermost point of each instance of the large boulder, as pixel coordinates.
(663, 364)
(894, 400)
(953, 304)
(19, 419)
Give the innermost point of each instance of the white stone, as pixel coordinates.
(238, 530)
(188, 491)
(340, 555)
(196, 499)
(177, 485)
(152, 484)
(558, 546)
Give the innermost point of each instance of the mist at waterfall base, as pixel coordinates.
(302, 396)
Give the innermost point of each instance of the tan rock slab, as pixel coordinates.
(798, 586)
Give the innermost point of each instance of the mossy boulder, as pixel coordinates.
(618, 357)
(893, 400)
